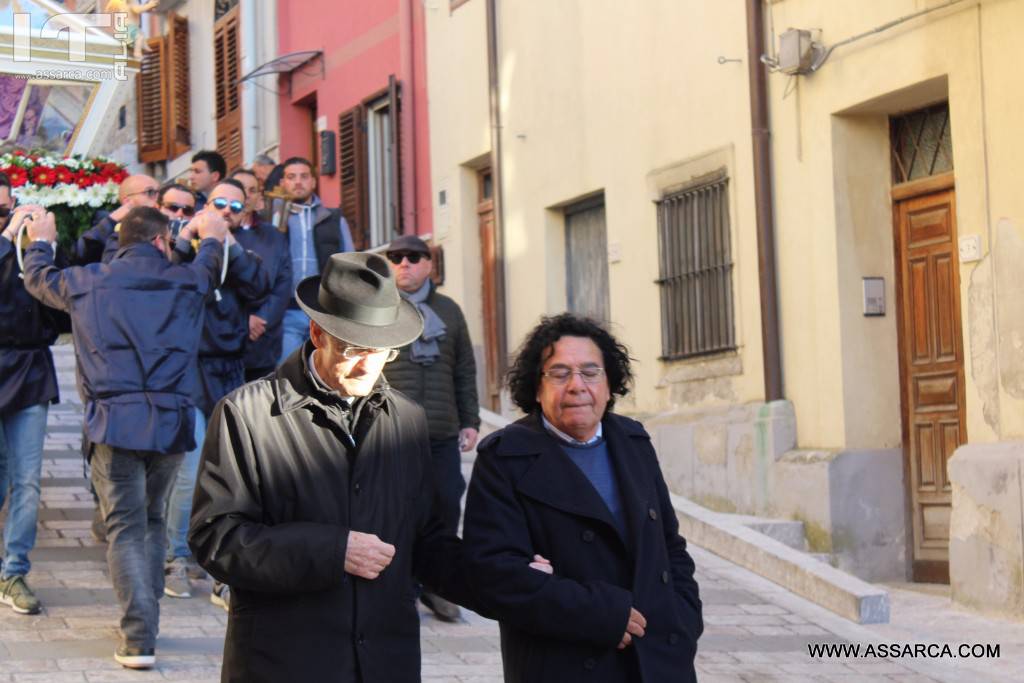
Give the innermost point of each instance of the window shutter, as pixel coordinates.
(226, 40)
(179, 128)
(352, 171)
(151, 97)
(394, 113)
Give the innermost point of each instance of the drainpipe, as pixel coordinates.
(496, 179)
(408, 118)
(763, 201)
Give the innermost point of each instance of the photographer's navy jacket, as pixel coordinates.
(272, 246)
(27, 329)
(136, 323)
(226, 323)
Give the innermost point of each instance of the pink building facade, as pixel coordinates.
(368, 89)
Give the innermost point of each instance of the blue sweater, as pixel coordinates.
(596, 464)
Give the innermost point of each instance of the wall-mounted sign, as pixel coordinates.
(874, 296)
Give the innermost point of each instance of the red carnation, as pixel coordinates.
(41, 175)
(18, 153)
(84, 180)
(64, 175)
(17, 176)
(120, 176)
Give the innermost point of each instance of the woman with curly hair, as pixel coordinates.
(577, 490)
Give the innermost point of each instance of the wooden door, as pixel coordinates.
(932, 369)
(491, 306)
(586, 259)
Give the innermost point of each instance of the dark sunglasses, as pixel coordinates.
(220, 203)
(413, 256)
(185, 210)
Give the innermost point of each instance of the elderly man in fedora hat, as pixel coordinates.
(314, 499)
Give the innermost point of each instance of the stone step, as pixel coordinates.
(796, 571)
(785, 531)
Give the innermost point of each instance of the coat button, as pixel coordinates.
(589, 664)
(358, 488)
(360, 639)
(652, 513)
(673, 639)
(664, 576)
(588, 536)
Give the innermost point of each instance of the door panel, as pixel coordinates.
(931, 363)
(586, 252)
(491, 307)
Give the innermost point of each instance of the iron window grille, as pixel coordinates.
(696, 270)
(922, 144)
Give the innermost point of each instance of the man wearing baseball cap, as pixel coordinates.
(314, 499)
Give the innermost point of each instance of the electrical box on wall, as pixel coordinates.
(796, 52)
(327, 152)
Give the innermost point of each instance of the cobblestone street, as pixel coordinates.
(755, 631)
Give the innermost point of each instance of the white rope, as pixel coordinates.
(17, 246)
(223, 270)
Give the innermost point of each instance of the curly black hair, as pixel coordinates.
(524, 375)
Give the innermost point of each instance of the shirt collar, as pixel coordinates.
(565, 437)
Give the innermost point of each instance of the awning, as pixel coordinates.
(284, 64)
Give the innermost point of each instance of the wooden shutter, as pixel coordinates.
(151, 99)
(226, 43)
(179, 125)
(352, 172)
(394, 111)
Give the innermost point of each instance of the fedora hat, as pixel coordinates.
(357, 301)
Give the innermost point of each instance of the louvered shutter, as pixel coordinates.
(228, 102)
(151, 98)
(352, 171)
(179, 125)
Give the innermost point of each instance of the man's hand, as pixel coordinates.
(366, 555)
(257, 326)
(542, 564)
(467, 439)
(634, 629)
(19, 216)
(209, 223)
(118, 214)
(43, 227)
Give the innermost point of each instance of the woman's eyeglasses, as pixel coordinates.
(184, 209)
(413, 256)
(353, 352)
(591, 374)
(220, 204)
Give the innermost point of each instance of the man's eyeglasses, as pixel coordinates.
(353, 352)
(183, 208)
(151, 192)
(220, 204)
(413, 256)
(591, 374)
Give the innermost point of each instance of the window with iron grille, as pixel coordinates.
(922, 144)
(696, 270)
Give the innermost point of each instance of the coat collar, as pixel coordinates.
(555, 480)
(295, 388)
(141, 250)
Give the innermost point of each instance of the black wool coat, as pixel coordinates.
(278, 491)
(528, 497)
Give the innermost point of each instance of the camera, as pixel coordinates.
(177, 225)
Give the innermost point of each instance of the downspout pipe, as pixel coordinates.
(494, 99)
(763, 202)
(407, 121)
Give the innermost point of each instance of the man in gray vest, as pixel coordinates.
(438, 372)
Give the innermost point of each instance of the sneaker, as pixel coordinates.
(135, 657)
(442, 609)
(176, 583)
(221, 595)
(98, 530)
(16, 593)
(195, 572)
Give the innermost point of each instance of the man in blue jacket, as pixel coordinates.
(136, 322)
(265, 331)
(28, 384)
(221, 368)
(99, 243)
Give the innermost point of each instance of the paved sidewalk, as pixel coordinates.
(755, 630)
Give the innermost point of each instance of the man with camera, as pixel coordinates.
(135, 321)
(99, 243)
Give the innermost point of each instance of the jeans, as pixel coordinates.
(296, 332)
(179, 503)
(21, 456)
(449, 484)
(133, 488)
